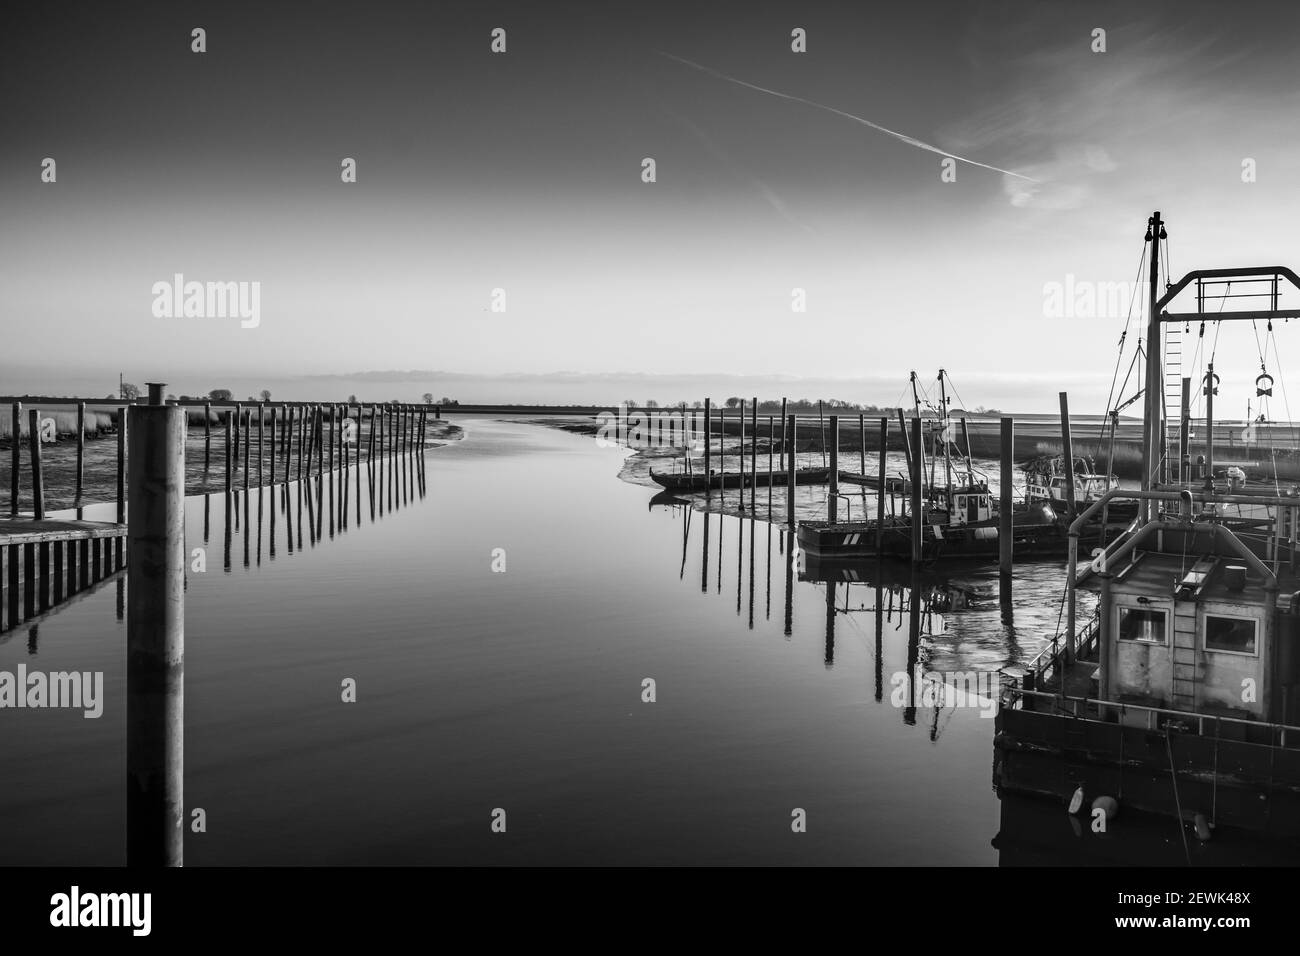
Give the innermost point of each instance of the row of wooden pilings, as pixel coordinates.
(326, 434)
(911, 431)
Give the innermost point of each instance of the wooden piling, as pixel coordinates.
(261, 412)
(862, 443)
(740, 455)
(753, 453)
(708, 451)
(246, 426)
(880, 488)
(239, 419)
(833, 499)
(15, 457)
(81, 447)
(207, 435)
(1068, 447)
(38, 484)
(229, 475)
(783, 450)
(793, 428)
(273, 428)
(155, 661)
(119, 544)
(771, 451)
(300, 412)
(1006, 522)
(916, 478)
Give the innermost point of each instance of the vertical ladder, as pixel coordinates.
(1186, 674)
(1173, 385)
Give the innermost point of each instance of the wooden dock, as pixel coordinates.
(45, 561)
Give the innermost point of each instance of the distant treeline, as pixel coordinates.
(799, 406)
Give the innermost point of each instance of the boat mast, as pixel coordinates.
(943, 434)
(1151, 420)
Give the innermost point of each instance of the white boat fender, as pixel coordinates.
(1076, 802)
(1202, 827)
(1108, 805)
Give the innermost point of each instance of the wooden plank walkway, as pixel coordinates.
(45, 561)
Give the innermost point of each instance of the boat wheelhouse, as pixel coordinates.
(1181, 695)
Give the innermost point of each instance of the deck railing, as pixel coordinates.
(1047, 663)
(1280, 735)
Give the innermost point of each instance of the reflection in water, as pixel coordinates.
(315, 493)
(943, 622)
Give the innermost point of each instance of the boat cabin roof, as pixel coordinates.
(1192, 577)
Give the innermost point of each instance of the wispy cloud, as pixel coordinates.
(901, 137)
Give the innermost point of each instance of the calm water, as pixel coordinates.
(522, 690)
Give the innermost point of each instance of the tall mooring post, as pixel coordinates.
(1006, 528)
(880, 489)
(917, 474)
(833, 499)
(792, 431)
(155, 643)
(1067, 448)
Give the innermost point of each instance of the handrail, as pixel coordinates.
(1013, 692)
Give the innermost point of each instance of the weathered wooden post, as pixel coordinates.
(1068, 447)
(261, 413)
(708, 451)
(753, 453)
(34, 445)
(833, 499)
(81, 446)
(880, 488)
(239, 422)
(273, 428)
(862, 443)
(15, 457)
(247, 426)
(793, 428)
(207, 435)
(155, 660)
(740, 456)
(784, 464)
(916, 476)
(1006, 522)
(121, 481)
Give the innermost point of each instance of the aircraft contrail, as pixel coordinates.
(903, 137)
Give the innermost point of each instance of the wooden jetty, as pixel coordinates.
(47, 559)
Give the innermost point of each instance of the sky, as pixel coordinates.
(522, 171)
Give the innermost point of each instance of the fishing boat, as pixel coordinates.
(959, 518)
(688, 482)
(1180, 696)
(1046, 479)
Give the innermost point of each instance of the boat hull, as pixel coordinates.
(695, 483)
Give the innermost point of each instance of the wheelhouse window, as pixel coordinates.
(1236, 635)
(1146, 625)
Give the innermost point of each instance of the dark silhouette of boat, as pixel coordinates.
(684, 482)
